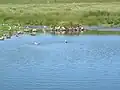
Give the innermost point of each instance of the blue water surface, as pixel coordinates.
(84, 63)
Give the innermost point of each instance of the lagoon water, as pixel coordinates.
(84, 63)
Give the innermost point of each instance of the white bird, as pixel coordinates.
(36, 43)
(65, 41)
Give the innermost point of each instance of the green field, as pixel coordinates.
(67, 12)
(52, 1)
(60, 12)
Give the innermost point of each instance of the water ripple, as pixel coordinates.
(84, 63)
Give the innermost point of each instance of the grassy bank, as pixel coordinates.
(61, 14)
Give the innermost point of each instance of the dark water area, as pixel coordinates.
(84, 63)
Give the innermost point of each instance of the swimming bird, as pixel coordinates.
(66, 41)
(36, 43)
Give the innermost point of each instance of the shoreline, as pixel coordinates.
(91, 32)
(87, 33)
(96, 18)
(33, 30)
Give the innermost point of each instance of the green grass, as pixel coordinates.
(60, 12)
(51, 1)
